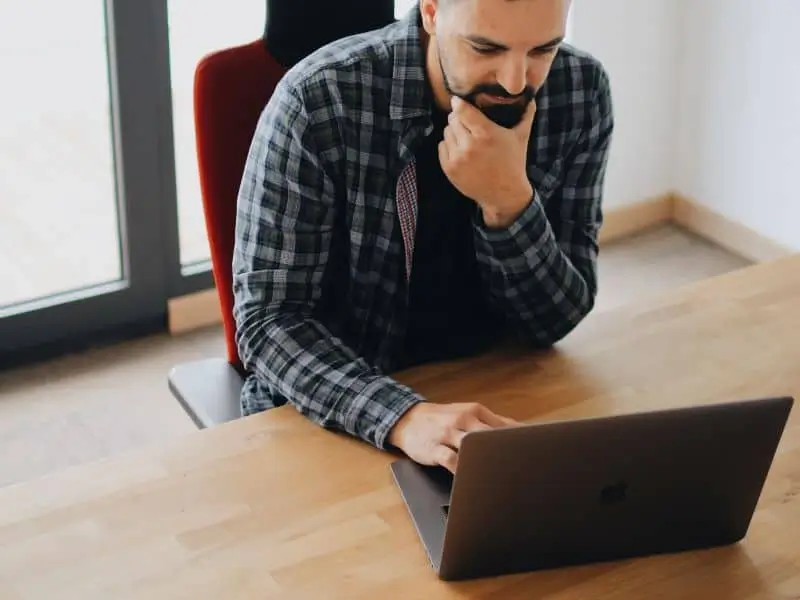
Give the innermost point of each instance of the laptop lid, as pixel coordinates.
(546, 495)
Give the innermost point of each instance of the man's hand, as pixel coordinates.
(431, 434)
(486, 162)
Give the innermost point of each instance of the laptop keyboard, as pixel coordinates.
(442, 479)
(442, 483)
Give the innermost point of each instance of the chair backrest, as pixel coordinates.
(231, 88)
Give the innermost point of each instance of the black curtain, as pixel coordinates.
(295, 28)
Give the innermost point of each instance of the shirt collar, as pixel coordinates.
(409, 96)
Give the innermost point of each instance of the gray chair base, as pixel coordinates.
(208, 390)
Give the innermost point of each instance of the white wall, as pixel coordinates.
(738, 147)
(636, 40)
(707, 96)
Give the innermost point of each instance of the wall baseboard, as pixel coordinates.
(625, 221)
(193, 311)
(201, 309)
(724, 232)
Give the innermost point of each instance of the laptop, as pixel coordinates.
(554, 494)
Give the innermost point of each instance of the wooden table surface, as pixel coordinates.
(273, 507)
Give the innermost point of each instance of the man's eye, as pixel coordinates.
(484, 49)
(545, 51)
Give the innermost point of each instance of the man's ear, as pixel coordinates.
(428, 10)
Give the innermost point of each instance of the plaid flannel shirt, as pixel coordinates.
(326, 220)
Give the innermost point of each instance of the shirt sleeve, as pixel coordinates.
(541, 272)
(284, 227)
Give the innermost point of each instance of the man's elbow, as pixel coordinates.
(544, 333)
(250, 333)
(254, 326)
(260, 328)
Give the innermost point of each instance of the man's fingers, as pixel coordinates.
(453, 139)
(453, 437)
(447, 458)
(474, 423)
(524, 126)
(456, 129)
(470, 116)
(446, 452)
(444, 153)
(490, 418)
(493, 419)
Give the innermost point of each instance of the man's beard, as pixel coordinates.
(506, 115)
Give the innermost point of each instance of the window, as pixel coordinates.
(401, 7)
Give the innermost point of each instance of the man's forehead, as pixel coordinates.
(511, 21)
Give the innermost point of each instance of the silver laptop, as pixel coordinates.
(547, 495)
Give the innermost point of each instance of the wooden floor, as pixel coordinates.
(99, 403)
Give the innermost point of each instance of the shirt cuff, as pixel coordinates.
(529, 226)
(396, 400)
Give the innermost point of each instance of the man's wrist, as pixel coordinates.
(395, 434)
(514, 206)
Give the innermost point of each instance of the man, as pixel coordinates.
(415, 194)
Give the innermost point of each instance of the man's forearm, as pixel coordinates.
(298, 358)
(532, 280)
(285, 219)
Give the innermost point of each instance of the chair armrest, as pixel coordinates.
(208, 390)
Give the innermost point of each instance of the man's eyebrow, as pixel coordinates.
(482, 41)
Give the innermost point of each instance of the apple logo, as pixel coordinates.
(614, 493)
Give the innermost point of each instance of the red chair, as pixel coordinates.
(231, 88)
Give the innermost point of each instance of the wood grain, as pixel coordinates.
(274, 507)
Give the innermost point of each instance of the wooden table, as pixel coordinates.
(274, 507)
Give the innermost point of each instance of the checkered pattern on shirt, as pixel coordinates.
(326, 220)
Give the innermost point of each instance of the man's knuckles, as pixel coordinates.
(460, 157)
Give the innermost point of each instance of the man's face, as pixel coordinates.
(495, 54)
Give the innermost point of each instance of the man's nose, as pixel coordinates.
(514, 76)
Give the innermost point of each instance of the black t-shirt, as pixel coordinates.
(448, 314)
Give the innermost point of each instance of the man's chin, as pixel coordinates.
(506, 115)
